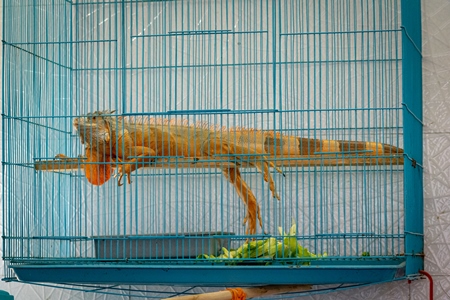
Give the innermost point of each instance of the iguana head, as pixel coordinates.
(94, 128)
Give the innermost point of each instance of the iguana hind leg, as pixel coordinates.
(262, 164)
(217, 146)
(255, 158)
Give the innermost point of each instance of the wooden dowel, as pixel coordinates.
(249, 292)
(279, 161)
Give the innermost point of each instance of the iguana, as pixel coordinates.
(130, 143)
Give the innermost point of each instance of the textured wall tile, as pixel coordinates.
(436, 116)
(438, 252)
(392, 290)
(442, 286)
(435, 12)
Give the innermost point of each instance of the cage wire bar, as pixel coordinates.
(319, 70)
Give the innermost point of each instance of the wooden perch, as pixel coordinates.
(249, 292)
(280, 161)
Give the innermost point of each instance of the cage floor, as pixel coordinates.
(215, 275)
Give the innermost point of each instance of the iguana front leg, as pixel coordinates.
(136, 147)
(129, 165)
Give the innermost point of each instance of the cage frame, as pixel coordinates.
(321, 272)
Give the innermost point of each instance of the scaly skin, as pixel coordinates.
(135, 142)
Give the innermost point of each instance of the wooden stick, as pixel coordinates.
(249, 292)
(279, 161)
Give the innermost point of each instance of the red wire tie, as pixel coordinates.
(237, 294)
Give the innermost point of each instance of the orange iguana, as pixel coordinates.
(132, 143)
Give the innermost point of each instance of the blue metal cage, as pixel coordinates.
(319, 70)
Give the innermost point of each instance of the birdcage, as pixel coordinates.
(211, 142)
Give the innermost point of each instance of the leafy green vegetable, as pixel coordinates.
(269, 248)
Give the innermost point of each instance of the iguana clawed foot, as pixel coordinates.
(119, 180)
(123, 170)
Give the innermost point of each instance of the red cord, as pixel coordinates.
(428, 275)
